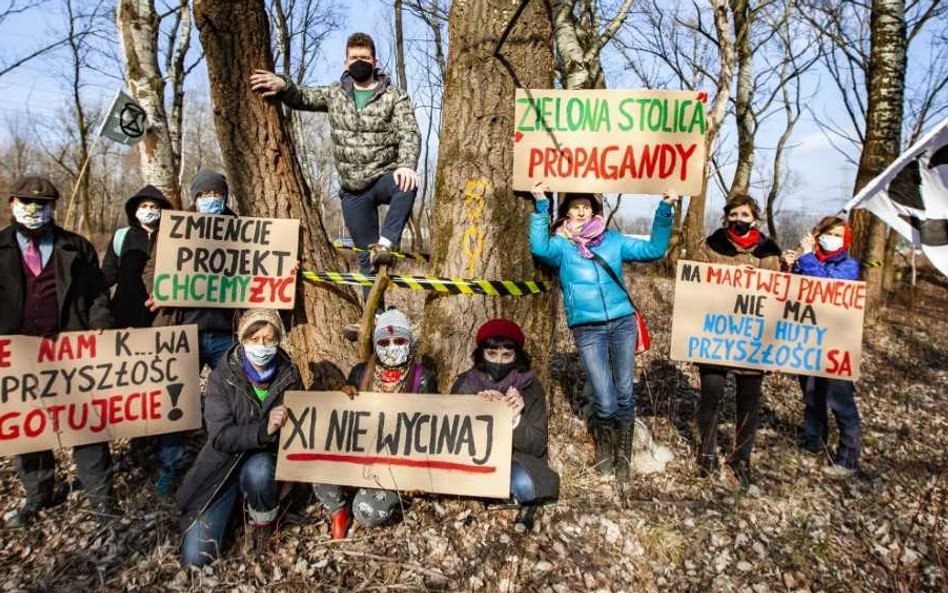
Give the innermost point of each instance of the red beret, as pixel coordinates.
(500, 328)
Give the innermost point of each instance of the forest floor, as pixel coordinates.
(794, 530)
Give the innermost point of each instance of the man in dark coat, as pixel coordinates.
(51, 284)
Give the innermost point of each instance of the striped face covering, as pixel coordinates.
(584, 235)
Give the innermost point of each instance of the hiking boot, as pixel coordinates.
(380, 255)
(742, 472)
(603, 436)
(623, 450)
(707, 465)
(262, 532)
(525, 518)
(24, 517)
(341, 520)
(838, 472)
(164, 482)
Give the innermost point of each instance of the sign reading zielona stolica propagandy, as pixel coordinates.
(609, 141)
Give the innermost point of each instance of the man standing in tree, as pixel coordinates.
(375, 145)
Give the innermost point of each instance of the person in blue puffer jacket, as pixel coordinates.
(599, 311)
(825, 254)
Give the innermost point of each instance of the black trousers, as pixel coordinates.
(93, 464)
(748, 411)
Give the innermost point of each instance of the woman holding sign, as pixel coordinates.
(738, 243)
(244, 413)
(825, 254)
(502, 372)
(599, 311)
(391, 369)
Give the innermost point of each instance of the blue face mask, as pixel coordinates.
(260, 356)
(210, 205)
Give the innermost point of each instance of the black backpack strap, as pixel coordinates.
(602, 263)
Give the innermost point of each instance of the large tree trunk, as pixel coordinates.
(480, 226)
(886, 84)
(138, 26)
(267, 180)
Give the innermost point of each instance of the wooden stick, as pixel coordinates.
(367, 326)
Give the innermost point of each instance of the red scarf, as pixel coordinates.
(748, 241)
(847, 241)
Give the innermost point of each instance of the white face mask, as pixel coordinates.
(260, 355)
(32, 216)
(393, 355)
(147, 215)
(830, 243)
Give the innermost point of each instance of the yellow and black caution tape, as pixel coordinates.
(874, 263)
(436, 284)
(416, 256)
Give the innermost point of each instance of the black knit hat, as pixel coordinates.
(149, 192)
(207, 180)
(566, 198)
(34, 188)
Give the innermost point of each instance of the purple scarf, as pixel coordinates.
(584, 236)
(476, 381)
(258, 378)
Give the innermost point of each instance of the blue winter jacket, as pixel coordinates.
(840, 266)
(589, 293)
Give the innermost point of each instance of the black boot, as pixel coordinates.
(262, 532)
(707, 465)
(603, 435)
(623, 449)
(24, 517)
(742, 472)
(525, 517)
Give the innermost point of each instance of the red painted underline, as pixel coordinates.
(425, 463)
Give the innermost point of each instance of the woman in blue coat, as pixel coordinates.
(825, 254)
(599, 311)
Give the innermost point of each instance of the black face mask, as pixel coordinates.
(498, 370)
(740, 227)
(361, 71)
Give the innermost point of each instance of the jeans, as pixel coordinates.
(360, 211)
(608, 354)
(820, 393)
(748, 410)
(521, 484)
(212, 346)
(204, 539)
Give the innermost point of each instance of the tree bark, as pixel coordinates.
(743, 98)
(886, 88)
(480, 226)
(266, 179)
(138, 26)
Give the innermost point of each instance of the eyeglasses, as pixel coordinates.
(385, 342)
(255, 341)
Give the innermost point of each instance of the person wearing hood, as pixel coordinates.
(501, 372)
(210, 193)
(392, 368)
(824, 253)
(599, 310)
(51, 283)
(244, 412)
(123, 266)
(375, 145)
(737, 243)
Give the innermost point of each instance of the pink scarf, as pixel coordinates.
(585, 235)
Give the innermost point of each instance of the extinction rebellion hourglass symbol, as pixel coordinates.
(132, 120)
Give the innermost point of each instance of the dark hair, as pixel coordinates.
(255, 327)
(521, 358)
(826, 223)
(564, 201)
(360, 40)
(741, 200)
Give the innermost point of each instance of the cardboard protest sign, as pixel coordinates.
(437, 443)
(610, 141)
(770, 321)
(239, 262)
(94, 386)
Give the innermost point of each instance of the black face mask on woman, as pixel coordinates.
(361, 71)
(740, 227)
(498, 370)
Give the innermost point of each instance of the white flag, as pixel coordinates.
(911, 196)
(126, 122)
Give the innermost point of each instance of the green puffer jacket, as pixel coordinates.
(365, 144)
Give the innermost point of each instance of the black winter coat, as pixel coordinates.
(80, 288)
(530, 438)
(236, 425)
(125, 272)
